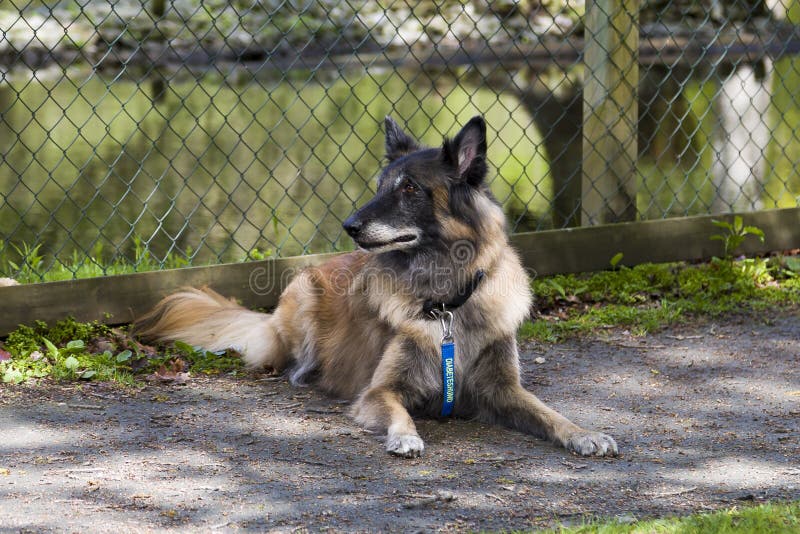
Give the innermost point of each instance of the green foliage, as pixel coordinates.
(207, 362)
(565, 293)
(734, 234)
(25, 339)
(70, 350)
(94, 122)
(69, 329)
(257, 254)
(62, 353)
(30, 259)
(28, 266)
(31, 266)
(538, 330)
(774, 518)
(194, 360)
(650, 296)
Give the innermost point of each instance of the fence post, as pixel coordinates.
(158, 85)
(610, 111)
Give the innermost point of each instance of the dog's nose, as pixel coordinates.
(353, 226)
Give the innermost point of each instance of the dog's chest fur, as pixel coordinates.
(370, 329)
(493, 313)
(423, 382)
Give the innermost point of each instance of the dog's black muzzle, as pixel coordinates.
(353, 225)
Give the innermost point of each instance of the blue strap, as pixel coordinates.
(448, 377)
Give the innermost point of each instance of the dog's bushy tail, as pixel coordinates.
(204, 318)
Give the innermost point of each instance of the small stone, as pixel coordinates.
(539, 360)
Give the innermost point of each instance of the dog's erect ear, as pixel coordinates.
(467, 152)
(398, 143)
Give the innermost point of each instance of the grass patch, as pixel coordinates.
(771, 517)
(26, 264)
(70, 350)
(650, 296)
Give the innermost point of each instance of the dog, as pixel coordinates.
(421, 319)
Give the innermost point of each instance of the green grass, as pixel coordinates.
(70, 351)
(25, 264)
(651, 296)
(769, 518)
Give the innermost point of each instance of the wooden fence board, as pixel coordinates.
(119, 299)
(591, 248)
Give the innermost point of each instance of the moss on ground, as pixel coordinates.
(71, 350)
(651, 296)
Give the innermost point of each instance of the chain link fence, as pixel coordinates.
(140, 135)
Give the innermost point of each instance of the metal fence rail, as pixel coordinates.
(169, 133)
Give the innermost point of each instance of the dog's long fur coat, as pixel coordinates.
(355, 326)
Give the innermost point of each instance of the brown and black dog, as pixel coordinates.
(368, 325)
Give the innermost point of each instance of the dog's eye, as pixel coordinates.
(409, 187)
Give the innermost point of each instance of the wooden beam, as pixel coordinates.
(586, 249)
(118, 299)
(610, 111)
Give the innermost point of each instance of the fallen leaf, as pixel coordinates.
(177, 378)
(173, 373)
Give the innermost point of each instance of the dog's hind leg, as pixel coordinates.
(502, 399)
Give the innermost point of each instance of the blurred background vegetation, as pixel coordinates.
(186, 132)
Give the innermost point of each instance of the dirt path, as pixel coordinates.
(706, 417)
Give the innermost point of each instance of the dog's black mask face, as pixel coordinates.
(419, 188)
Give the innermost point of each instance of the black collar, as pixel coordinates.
(464, 293)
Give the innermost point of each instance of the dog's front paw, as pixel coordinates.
(588, 443)
(405, 445)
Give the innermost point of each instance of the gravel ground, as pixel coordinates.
(706, 416)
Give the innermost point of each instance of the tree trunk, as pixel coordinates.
(560, 120)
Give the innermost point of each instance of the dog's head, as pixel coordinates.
(426, 195)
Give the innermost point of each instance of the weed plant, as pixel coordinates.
(71, 350)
